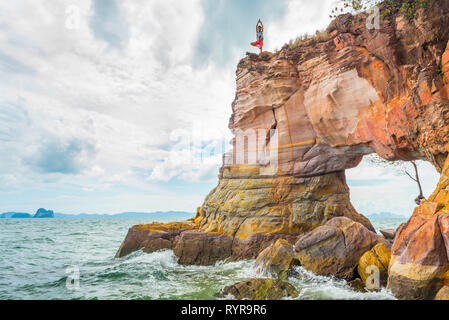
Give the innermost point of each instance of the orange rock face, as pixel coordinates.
(329, 103)
(305, 114)
(335, 248)
(420, 253)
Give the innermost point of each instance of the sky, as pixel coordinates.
(109, 106)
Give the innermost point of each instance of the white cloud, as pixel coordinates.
(303, 17)
(125, 101)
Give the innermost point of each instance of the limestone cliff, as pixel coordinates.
(305, 114)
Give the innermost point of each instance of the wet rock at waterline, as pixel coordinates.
(335, 248)
(388, 233)
(152, 237)
(277, 259)
(260, 289)
(193, 246)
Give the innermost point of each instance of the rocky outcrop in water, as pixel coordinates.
(305, 114)
(379, 257)
(152, 237)
(335, 248)
(42, 213)
(260, 289)
(195, 247)
(277, 260)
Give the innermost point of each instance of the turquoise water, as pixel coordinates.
(35, 254)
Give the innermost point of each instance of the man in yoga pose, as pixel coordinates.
(259, 36)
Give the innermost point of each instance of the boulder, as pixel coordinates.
(388, 233)
(277, 259)
(419, 256)
(335, 248)
(379, 257)
(152, 237)
(357, 285)
(254, 244)
(194, 247)
(260, 289)
(443, 293)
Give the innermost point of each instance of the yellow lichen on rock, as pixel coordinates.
(241, 206)
(443, 293)
(164, 227)
(379, 256)
(277, 259)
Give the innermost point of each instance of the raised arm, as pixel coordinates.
(257, 25)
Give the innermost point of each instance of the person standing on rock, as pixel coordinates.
(259, 36)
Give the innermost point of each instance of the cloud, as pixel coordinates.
(229, 27)
(108, 23)
(57, 156)
(302, 17)
(94, 107)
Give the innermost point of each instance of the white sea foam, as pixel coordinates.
(36, 269)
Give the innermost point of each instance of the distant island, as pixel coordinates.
(40, 213)
(43, 213)
(385, 215)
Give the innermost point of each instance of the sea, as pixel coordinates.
(68, 259)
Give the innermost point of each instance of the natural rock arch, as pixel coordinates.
(328, 102)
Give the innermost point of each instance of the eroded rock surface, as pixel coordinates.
(244, 203)
(301, 117)
(195, 247)
(421, 248)
(152, 237)
(419, 267)
(335, 248)
(260, 289)
(379, 256)
(277, 259)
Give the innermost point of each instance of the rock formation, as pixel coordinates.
(305, 114)
(42, 213)
(260, 289)
(277, 260)
(389, 233)
(335, 248)
(420, 251)
(379, 256)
